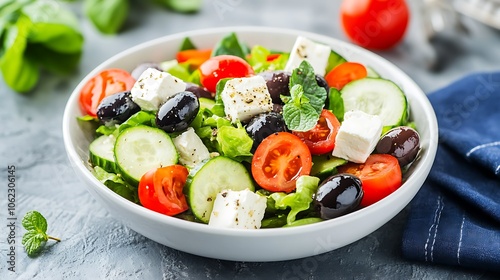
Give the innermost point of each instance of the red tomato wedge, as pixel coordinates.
(279, 161)
(193, 57)
(161, 190)
(339, 76)
(380, 176)
(321, 139)
(223, 66)
(106, 83)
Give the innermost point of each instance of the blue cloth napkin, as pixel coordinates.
(455, 217)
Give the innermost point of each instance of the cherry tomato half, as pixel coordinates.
(280, 159)
(380, 176)
(339, 76)
(321, 139)
(375, 24)
(161, 190)
(107, 82)
(223, 66)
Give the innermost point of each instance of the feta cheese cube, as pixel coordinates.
(238, 209)
(190, 148)
(357, 137)
(316, 54)
(154, 87)
(244, 98)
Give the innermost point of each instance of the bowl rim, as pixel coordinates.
(425, 161)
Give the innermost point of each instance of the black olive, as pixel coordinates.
(278, 108)
(277, 84)
(136, 73)
(116, 108)
(401, 142)
(264, 125)
(178, 112)
(199, 91)
(338, 195)
(322, 83)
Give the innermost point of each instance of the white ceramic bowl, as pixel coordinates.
(265, 244)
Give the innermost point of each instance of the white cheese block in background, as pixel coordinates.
(316, 54)
(238, 209)
(154, 87)
(357, 137)
(244, 98)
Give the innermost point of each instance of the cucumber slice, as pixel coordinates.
(325, 165)
(205, 182)
(376, 96)
(102, 154)
(141, 148)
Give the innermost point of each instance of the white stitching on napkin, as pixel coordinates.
(460, 240)
(496, 143)
(435, 223)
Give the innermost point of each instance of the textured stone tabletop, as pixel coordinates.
(95, 246)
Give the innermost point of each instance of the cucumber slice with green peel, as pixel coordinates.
(376, 96)
(102, 153)
(141, 148)
(206, 181)
(325, 165)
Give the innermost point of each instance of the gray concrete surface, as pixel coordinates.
(95, 246)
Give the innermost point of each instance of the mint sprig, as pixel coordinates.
(36, 236)
(303, 108)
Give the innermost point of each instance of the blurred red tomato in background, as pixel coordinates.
(375, 24)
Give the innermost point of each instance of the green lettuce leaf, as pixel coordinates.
(115, 183)
(298, 201)
(259, 63)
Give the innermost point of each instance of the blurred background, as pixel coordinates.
(443, 41)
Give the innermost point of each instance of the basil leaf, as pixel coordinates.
(108, 16)
(336, 103)
(182, 6)
(61, 63)
(20, 73)
(54, 27)
(187, 44)
(230, 45)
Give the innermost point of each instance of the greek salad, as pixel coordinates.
(240, 136)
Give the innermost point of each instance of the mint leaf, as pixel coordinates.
(33, 242)
(304, 76)
(298, 112)
(34, 221)
(36, 237)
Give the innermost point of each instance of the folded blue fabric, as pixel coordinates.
(455, 217)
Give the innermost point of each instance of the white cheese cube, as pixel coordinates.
(190, 148)
(238, 209)
(316, 54)
(357, 137)
(244, 98)
(154, 87)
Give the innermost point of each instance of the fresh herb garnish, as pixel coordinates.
(303, 108)
(36, 237)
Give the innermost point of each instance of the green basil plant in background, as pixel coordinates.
(36, 34)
